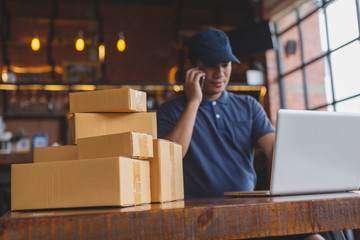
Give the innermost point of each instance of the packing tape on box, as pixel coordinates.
(137, 182)
(144, 144)
(173, 171)
(138, 100)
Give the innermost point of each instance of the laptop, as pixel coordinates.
(315, 152)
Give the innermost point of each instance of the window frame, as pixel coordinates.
(326, 55)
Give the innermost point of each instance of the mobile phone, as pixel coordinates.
(202, 80)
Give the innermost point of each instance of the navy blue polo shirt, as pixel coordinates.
(220, 155)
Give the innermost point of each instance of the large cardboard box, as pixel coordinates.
(83, 125)
(56, 153)
(166, 172)
(128, 144)
(117, 181)
(111, 100)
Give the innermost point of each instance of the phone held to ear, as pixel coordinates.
(202, 80)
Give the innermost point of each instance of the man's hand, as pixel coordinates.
(192, 86)
(183, 129)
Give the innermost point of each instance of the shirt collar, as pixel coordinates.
(224, 98)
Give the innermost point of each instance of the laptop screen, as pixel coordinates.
(316, 152)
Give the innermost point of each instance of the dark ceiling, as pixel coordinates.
(202, 12)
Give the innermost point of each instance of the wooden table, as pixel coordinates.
(218, 218)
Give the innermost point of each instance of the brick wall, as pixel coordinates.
(150, 33)
(293, 83)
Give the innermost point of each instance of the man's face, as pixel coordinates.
(217, 78)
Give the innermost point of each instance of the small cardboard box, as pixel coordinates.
(128, 144)
(56, 153)
(166, 172)
(111, 100)
(83, 125)
(117, 181)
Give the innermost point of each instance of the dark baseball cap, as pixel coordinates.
(211, 47)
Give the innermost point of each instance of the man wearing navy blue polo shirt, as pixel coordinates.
(218, 130)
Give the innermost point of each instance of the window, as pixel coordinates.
(346, 71)
(342, 22)
(319, 56)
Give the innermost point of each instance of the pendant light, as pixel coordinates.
(121, 45)
(80, 44)
(35, 42)
(101, 53)
(101, 48)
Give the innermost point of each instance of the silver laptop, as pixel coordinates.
(315, 152)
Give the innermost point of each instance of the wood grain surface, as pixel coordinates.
(217, 218)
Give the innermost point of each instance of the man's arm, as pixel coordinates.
(182, 131)
(267, 143)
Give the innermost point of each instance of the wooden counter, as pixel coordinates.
(218, 218)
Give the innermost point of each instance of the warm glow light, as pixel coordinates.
(172, 75)
(38, 69)
(177, 88)
(121, 45)
(5, 76)
(56, 88)
(8, 87)
(101, 53)
(83, 87)
(35, 44)
(80, 44)
(36, 87)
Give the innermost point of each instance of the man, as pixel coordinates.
(218, 130)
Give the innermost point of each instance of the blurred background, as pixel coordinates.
(296, 54)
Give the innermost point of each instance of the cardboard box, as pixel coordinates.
(128, 144)
(111, 100)
(56, 153)
(117, 181)
(166, 172)
(83, 125)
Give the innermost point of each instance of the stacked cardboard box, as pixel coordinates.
(114, 160)
(167, 176)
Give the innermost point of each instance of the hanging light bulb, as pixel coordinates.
(80, 44)
(121, 42)
(35, 42)
(101, 53)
